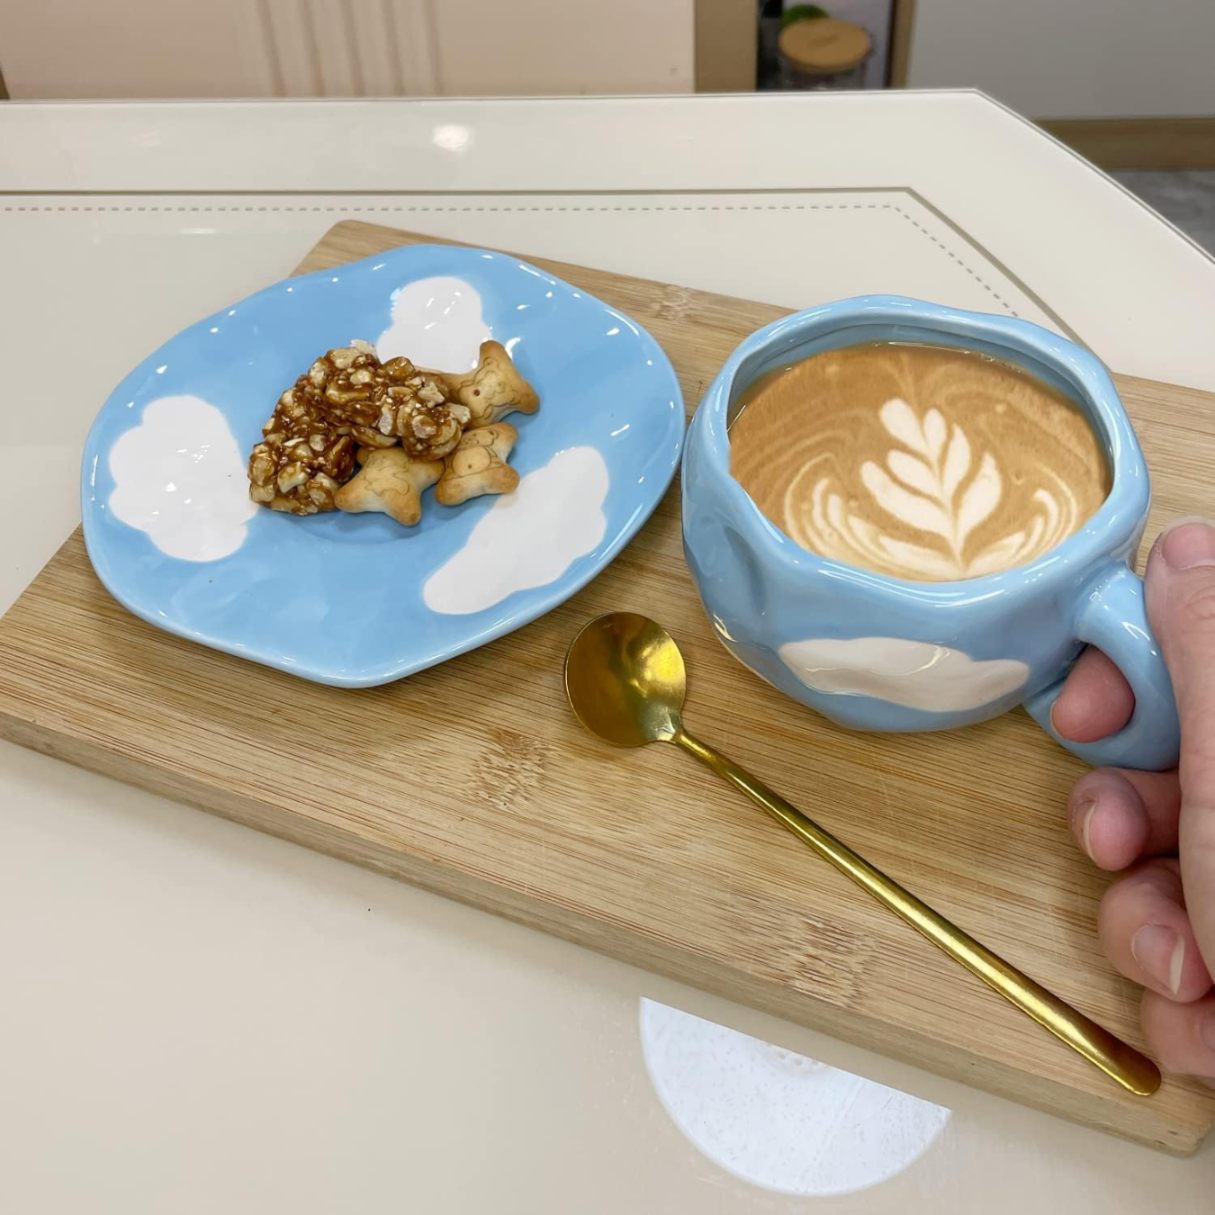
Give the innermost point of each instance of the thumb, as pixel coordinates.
(1181, 608)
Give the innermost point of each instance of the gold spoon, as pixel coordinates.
(625, 679)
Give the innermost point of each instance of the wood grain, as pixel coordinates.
(473, 780)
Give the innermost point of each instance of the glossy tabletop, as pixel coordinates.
(200, 1018)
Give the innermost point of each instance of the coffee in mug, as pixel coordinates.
(909, 516)
(921, 462)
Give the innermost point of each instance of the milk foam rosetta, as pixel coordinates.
(922, 462)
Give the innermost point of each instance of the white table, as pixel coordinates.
(199, 1018)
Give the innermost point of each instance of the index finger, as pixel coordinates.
(1181, 608)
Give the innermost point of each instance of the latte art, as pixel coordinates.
(934, 483)
(926, 463)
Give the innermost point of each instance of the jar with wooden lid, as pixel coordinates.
(823, 53)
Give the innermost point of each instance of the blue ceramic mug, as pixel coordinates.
(880, 653)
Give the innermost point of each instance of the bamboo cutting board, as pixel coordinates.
(472, 779)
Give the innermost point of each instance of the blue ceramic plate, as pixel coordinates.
(356, 600)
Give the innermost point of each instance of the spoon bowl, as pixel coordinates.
(625, 679)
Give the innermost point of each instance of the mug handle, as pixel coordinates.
(1113, 617)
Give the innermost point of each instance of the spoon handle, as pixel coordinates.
(1121, 1062)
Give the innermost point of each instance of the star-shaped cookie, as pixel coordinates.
(389, 482)
(478, 465)
(494, 389)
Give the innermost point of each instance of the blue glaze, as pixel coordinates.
(762, 590)
(338, 598)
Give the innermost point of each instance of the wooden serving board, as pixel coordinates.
(473, 779)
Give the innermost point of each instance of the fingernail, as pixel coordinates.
(1188, 543)
(1206, 1031)
(1161, 953)
(1084, 818)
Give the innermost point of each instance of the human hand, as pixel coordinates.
(1157, 920)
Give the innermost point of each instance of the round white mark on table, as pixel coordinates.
(777, 1119)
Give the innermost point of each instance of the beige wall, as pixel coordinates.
(112, 48)
(1072, 58)
(234, 48)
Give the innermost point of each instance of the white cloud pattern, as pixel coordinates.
(528, 538)
(915, 674)
(180, 478)
(436, 322)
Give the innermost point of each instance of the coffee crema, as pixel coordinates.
(923, 462)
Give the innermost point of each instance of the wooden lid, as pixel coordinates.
(824, 45)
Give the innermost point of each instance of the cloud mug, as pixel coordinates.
(880, 653)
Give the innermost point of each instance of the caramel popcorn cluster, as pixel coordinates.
(349, 404)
